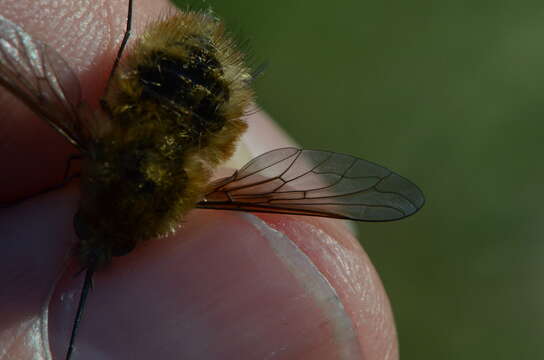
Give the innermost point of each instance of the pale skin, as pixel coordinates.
(225, 286)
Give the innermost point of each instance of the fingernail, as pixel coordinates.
(328, 310)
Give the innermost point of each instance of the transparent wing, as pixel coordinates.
(317, 183)
(38, 75)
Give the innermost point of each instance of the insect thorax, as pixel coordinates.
(175, 108)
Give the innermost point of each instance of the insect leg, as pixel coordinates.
(123, 42)
(258, 71)
(87, 286)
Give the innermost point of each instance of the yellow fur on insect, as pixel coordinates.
(173, 113)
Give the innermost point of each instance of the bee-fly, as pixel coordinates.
(172, 112)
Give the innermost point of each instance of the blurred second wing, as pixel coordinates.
(40, 77)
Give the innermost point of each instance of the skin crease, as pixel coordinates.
(201, 293)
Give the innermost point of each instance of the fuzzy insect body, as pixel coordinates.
(174, 110)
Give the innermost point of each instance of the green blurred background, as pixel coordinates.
(450, 95)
